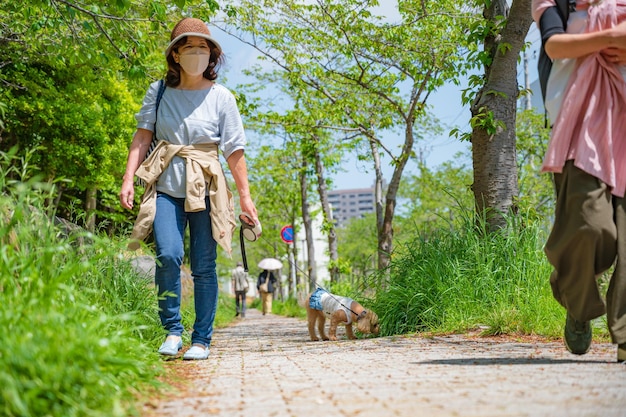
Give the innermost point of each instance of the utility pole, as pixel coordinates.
(526, 82)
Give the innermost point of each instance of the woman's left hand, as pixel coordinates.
(247, 206)
(237, 164)
(615, 55)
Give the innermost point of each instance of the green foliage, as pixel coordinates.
(288, 308)
(344, 288)
(341, 265)
(79, 326)
(350, 74)
(485, 120)
(432, 198)
(536, 189)
(68, 69)
(79, 122)
(460, 279)
(357, 248)
(3, 109)
(108, 35)
(349, 69)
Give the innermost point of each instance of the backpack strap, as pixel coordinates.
(549, 25)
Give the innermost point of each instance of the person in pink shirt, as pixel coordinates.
(586, 104)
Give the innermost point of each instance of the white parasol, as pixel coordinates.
(270, 264)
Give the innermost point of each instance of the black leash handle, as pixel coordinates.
(243, 249)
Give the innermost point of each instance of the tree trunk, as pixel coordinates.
(385, 227)
(494, 114)
(384, 232)
(329, 225)
(311, 272)
(90, 209)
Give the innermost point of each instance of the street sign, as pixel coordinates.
(286, 234)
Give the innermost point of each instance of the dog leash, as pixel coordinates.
(242, 245)
(248, 231)
(245, 265)
(252, 232)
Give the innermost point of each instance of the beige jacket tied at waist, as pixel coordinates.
(203, 169)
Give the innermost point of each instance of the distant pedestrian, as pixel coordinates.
(239, 281)
(265, 285)
(586, 100)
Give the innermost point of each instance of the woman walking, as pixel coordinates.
(194, 119)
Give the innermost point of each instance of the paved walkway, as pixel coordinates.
(266, 366)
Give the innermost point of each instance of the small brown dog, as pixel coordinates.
(340, 310)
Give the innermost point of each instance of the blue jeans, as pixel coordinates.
(169, 231)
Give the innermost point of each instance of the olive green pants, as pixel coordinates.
(587, 238)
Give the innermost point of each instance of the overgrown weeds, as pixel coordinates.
(464, 278)
(79, 327)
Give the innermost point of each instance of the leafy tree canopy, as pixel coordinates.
(72, 75)
(70, 32)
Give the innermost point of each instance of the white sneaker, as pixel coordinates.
(196, 352)
(171, 346)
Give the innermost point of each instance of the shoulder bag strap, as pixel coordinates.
(156, 113)
(154, 141)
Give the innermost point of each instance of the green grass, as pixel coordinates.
(462, 279)
(287, 308)
(78, 327)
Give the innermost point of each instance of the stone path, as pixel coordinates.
(266, 366)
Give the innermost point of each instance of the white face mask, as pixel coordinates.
(195, 62)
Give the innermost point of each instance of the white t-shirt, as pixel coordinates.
(188, 117)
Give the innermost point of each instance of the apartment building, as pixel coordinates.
(348, 204)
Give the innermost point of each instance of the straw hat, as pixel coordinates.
(190, 26)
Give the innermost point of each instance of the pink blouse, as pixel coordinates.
(591, 125)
